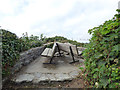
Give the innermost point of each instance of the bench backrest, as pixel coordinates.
(53, 49)
(63, 47)
(74, 49)
(66, 47)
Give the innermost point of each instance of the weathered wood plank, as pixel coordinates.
(50, 53)
(45, 52)
(64, 47)
(74, 49)
(53, 49)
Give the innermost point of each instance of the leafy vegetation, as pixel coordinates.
(10, 51)
(30, 42)
(103, 54)
(63, 40)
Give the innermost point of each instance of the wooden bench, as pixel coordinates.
(67, 47)
(48, 52)
(57, 47)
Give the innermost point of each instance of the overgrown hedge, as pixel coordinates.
(103, 55)
(10, 51)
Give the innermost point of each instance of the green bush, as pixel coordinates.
(23, 45)
(103, 54)
(63, 40)
(50, 45)
(76, 43)
(35, 44)
(10, 51)
(30, 42)
(55, 39)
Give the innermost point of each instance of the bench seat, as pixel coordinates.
(45, 52)
(49, 52)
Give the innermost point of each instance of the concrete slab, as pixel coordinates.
(43, 77)
(62, 77)
(24, 77)
(36, 71)
(51, 77)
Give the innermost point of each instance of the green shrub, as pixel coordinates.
(55, 39)
(10, 51)
(63, 40)
(35, 44)
(50, 45)
(103, 54)
(23, 45)
(30, 42)
(76, 43)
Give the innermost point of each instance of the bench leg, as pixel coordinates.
(73, 56)
(58, 49)
(50, 61)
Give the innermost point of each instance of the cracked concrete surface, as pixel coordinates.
(37, 72)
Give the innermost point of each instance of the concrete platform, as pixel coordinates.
(37, 72)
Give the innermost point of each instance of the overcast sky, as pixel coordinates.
(68, 18)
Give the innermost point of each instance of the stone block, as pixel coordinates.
(24, 78)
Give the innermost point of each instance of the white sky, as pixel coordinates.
(68, 18)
